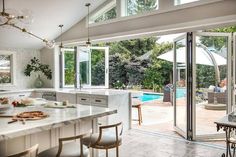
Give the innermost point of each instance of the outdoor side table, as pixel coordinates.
(229, 128)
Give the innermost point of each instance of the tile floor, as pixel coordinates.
(138, 143)
(159, 117)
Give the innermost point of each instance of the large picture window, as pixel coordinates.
(87, 67)
(140, 6)
(107, 12)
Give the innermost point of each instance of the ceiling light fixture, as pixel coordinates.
(88, 42)
(8, 19)
(61, 45)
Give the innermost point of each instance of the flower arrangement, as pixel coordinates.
(36, 66)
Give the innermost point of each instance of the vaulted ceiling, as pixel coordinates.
(47, 15)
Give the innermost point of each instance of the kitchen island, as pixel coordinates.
(108, 98)
(16, 137)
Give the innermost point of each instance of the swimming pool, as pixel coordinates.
(150, 96)
(180, 93)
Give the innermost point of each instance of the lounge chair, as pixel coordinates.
(220, 97)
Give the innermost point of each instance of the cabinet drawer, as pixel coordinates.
(99, 102)
(66, 96)
(83, 100)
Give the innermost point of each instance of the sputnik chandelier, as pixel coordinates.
(11, 20)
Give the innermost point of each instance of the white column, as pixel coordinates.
(56, 79)
(121, 6)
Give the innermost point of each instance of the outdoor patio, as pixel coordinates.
(158, 117)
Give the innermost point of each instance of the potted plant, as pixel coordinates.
(36, 66)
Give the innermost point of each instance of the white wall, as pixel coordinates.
(47, 57)
(22, 57)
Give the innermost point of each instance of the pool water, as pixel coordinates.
(180, 93)
(150, 96)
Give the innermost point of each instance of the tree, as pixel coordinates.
(139, 46)
(206, 74)
(135, 70)
(217, 42)
(139, 6)
(159, 73)
(111, 14)
(117, 70)
(69, 68)
(97, 67)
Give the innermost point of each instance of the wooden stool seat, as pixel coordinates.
(70, 149)
(105, 140)
(108, 140)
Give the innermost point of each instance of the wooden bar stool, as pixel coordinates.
(136, 103)
(140, 118)
(105, 140)
(70, 149)
(29, 151)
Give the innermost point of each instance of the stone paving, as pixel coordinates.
(138, 143)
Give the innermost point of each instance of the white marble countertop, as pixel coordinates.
(69, 90)
(57, 118)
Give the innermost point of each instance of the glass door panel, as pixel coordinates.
(213, 68)
(68, 71)
(84, 68)
(234, 70)
(92, 67)
(180, 99)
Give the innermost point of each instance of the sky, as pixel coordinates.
(168, 38)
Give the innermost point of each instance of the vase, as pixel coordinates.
(38, 82)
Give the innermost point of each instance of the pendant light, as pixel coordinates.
(14, 20)
(61, 45)
(88, 42)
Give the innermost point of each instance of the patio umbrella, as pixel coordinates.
(203, 57)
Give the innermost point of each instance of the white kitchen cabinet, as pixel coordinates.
(16, 95)
(63, 96)
(51, 96)
(113, 100)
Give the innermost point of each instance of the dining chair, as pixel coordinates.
(29, 151)
(69, 149)
(105, 139)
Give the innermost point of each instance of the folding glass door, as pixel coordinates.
(92, 67)
(181, 88)
(213, 73)
(204, 80)
(234, 71)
